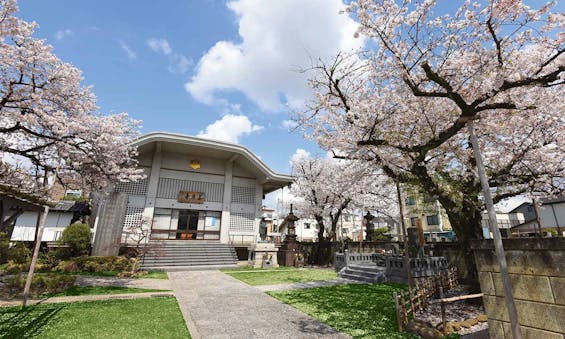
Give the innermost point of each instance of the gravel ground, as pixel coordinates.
(456, 311)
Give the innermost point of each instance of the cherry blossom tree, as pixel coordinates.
(48, 120)
(48, 123)
(325, 188)
(403, 105)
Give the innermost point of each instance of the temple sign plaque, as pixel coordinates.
(191, 197)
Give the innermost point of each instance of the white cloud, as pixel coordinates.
(299, 154)
(230, 128)
(277, 38)
(178, 63)
(129, 52)
(289, 124)
(159, 45)
(61, 34)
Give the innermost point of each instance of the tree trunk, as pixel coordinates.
(323, 243)
(321, 228)
(466, 223)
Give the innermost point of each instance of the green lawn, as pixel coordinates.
(155, 275)
(90, 290)
(138, 318)
(284, 275)
(360, 310)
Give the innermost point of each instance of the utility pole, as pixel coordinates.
(538, 217)
(498, 246)
(405, 238)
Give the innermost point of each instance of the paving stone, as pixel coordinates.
(216, 305)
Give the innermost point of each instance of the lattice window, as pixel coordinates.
(242, 222)
(133, 187)
(169, 189)
(134, 217)
(243, 195)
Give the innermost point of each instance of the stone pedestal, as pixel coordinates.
(289, 255)
(263, 255)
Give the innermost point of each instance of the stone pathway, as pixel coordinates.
(309, 284)
(215, 305)
(97, 297)
(157, 284)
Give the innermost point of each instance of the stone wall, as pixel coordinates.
(310, 250)
(454, 254)
(537, 273)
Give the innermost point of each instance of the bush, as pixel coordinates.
(49, 259)
(77, 239)
(19, 254)
(13, 267)
(41, 284)
(4, 248)
(95, 264)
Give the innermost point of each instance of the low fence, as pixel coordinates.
(325, 255)
(346, 259)
(419, 267)
(415, 299)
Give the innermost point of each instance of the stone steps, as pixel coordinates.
(367, 274)
(164, 255)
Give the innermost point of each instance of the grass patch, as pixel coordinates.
(280, 276)
(155, 275)
(248, 268)
(360, 310)
(91, 290)
(138, 318)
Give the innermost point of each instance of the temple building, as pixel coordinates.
(196, 191)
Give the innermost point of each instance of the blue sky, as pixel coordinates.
(222, 69)
(180, 66)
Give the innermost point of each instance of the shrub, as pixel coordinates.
(49, 259)
(95, 264)
(13, 267)
(41, 284)
(19, 254)
(4, 248)
(77, 239)
(67, 266)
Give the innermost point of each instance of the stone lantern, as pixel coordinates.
(369, 226)
(289, 253)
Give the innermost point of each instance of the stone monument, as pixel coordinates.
(262, 254)
(289, 252)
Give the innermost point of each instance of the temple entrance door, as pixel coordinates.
(187, 224)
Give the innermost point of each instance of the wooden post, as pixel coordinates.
(42, 219)
(442, 305)
(410, 297)
(498, 246)
(399, 320)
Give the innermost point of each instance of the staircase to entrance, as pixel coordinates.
(181, 255)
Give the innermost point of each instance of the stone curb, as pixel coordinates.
(96, 297)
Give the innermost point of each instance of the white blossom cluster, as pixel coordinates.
(48, 120)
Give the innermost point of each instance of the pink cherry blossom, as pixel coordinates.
(48, 119)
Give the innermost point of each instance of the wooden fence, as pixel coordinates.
(415, 299)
